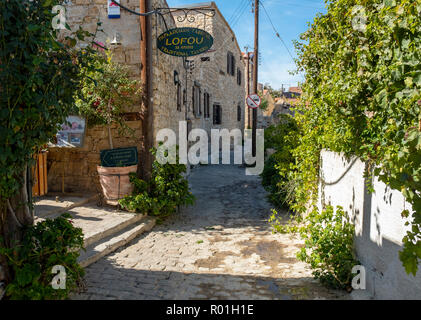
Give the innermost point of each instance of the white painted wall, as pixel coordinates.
(379, 225)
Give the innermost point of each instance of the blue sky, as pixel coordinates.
(290, 19)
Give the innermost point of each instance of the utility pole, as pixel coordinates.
(147, 122)
(255, 70)
(248, 86)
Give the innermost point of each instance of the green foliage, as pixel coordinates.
(277, 174)
(39, 74)
(163, 193)
(46, 244)
(38, 77)
(276, 135)
(264, 105)
(274, 93)
(329, 238)
(107, 91)
(362, 97)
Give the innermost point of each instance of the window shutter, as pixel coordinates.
(207, 106)
(193, 102)
(232, 65)
(200, 102)
(228, 63)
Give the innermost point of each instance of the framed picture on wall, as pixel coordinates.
(72, 132)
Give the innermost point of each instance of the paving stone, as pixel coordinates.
(239, 257)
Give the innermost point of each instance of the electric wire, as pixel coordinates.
(231, 18)
(276, 32)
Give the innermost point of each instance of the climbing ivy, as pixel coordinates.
(362, 97)
(39, 75)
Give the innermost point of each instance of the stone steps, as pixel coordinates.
(50, 209)
(106, 245)
(105, 228)
(110, 229)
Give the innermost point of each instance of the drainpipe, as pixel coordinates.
(147, 121)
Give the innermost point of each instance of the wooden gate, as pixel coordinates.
(39, 175)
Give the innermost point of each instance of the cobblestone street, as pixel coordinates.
(220, 248)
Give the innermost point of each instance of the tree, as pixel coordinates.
(38, 78)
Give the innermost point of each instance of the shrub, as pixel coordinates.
(329, 246)
(162, 194)
(107, 91)
(276, 175)
(45, 245)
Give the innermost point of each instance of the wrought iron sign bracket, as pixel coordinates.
(187, 13)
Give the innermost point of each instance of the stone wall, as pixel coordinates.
(163, 89)
(211, 74)
(379, 225)
(78, 165)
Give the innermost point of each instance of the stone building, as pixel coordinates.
(214, 83)
(282, 105)
(207, 91)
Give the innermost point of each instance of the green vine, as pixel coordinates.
(362, 97)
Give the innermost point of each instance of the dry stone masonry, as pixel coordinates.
(74, 169)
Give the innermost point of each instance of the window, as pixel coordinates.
(238, 113)
(230, 64)
(179, 97)
(239, 75)
(217, 114)
(203, 59)
(206, 100)
(197, 101)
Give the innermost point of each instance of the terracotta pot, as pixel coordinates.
(115, 181)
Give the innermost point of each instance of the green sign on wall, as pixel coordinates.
(184, 42)
(122, 157)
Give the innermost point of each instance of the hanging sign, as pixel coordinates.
(122, 157)
(253, 101)
(184, 42)
(113, 9)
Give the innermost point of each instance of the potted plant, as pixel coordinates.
(106, 93)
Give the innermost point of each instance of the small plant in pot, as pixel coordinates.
(107, 93)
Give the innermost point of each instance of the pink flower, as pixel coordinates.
(98, 46)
